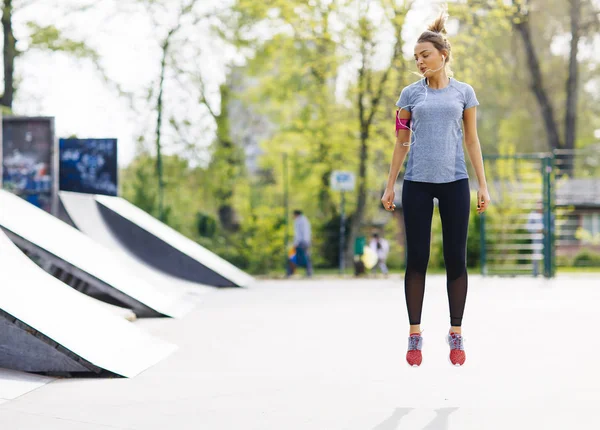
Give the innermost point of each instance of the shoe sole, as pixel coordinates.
(454, 365)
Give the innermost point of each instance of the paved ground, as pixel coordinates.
(329, 355)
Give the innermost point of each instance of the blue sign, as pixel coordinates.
(27, 159)
(342, 181)
(88, 166)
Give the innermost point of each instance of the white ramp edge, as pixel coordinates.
(117, 311)
(68, 244)
(83, 211)
(65, 316)
(14, 384)
(176, 240)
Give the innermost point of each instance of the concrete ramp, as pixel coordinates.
(163, 248)
(82, 212)
(46, 326)
(82, 263)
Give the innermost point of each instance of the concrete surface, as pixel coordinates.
(328, 354)
(14, 384)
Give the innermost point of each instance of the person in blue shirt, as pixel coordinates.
(434, 115)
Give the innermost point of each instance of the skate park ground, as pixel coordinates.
(328, 354)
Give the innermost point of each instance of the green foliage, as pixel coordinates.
(207, 225)
(587, 258)
(262, 241)
(293, 80)
(50, 38)
(327, 241)
(138, 183)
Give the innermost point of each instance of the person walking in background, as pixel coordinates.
(302, 241)
(434, 115)
(535, 227)
(381, 247)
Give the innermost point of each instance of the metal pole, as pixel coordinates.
(544, 216)
(342, 233)
(482, 253)
(55, 163)
(547, 170)
(552, 216)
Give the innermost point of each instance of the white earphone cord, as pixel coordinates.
(412, 132)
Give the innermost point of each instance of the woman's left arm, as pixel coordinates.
(474, 150)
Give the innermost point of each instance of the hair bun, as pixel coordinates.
(439, 25)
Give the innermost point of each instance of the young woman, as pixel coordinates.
(432, 114)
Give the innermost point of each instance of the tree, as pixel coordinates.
(556, 80)
(10, 53)
(47, 38)
(165, 49)
(371, 86)
(299, 69)
(227, 161)
(577, 29)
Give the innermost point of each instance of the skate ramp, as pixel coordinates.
(82, 212)
(46, 326)
(158, 245)
(83, 264)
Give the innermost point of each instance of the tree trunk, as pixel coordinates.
(572, 81)
(159, 110)
(10, 53)
(572, 85)
(322, 71)
(228, 162)
(363, 78)
(361, 201)
(522, 26)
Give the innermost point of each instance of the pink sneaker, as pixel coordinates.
(413, 355)
(457, 349)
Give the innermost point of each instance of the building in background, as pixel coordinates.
(248, 127)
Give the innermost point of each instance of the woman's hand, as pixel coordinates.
(483, 200)
(388, 200)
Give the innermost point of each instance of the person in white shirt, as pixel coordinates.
(382, 248)
(302, 242)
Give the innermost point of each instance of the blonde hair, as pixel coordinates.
(436, 34)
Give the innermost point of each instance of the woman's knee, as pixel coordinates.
(418, 262)
(455, 268)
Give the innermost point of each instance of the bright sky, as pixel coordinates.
(82, 104)
(72, 90)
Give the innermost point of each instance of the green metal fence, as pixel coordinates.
(516, 232)
(577, 207)
(545, 212)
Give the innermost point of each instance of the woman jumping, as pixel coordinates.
(430, 119)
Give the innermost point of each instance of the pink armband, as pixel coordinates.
(401, 123)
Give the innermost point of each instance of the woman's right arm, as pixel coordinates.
(401, 148)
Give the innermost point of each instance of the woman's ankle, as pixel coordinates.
(415, 329)
(456, 330)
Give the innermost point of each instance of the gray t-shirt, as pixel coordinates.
(302, 231)
(436, 154)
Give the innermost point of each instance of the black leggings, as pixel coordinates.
(417, 205)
